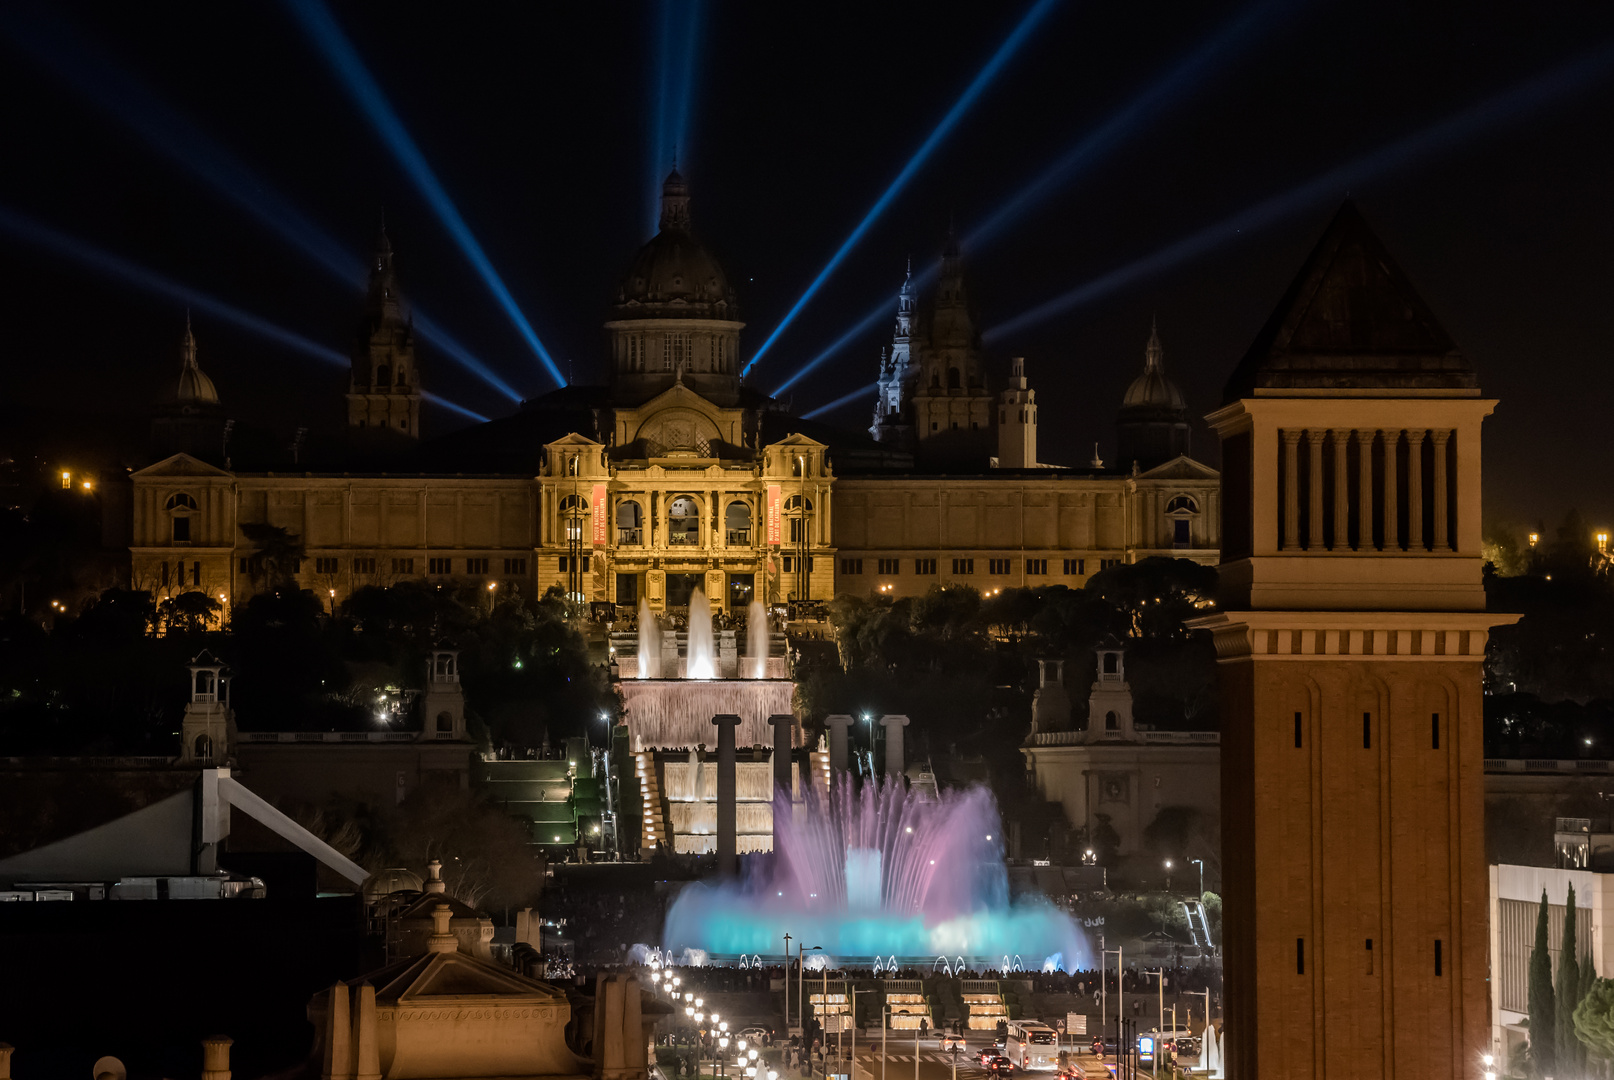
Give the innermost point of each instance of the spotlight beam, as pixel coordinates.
(845, 399)
(1234, 39)
(1510, 106)
(100, 82)
(1018, 37)
(130, 273)
(317, 21)
(674, 88)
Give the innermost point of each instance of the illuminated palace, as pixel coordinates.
(674, 475)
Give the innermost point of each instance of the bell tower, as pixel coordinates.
(383, 398)
(1351, 643)
(444, 700)
(204, 732)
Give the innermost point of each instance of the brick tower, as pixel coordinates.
(1351, 643)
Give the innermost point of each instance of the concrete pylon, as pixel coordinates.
(728, 863)
(894, 763)
(837, 743)
(783, 726)
(338, 1063)
(366, 1049)
(5, 1061)
(216, 1057)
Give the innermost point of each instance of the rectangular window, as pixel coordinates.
(476, 566)
(566, 564)
(677, 355)
(1437, 956)
(515, 566)
(364, 565)
(438, 566)
(890, 566)
(1179, 533)
(165, 571)
(1434, 730)
(1105, 564)
(997, 566)
(243, 568)
(852, 567)
(1300, 956)
(792, 565)
(1077, 567)
(1037, 567)
(963, 566)
(924, 566)
(182, 530)
(1297, 731)
(325, 565)
(296, 566)
(403, 566)
(1370, 956)
(1367, 731)
(196, 573)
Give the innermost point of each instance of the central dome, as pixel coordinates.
(674, 274)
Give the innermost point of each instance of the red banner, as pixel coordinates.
(601, 518)
(775, 531)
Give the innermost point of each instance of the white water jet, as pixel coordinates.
(701, 652)
(649, 643)
(757, 640)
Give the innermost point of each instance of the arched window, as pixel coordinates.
(629, 523)
(737, 524)
(1111, 663)
(403, 375)
(444, 668)
(1112, 722)
(954, 382)
(1182, 504)
(383, 375)
(573, 509)
(445, 723)
(204, 748)
(935, 381)
(684, 521)
(180, 509)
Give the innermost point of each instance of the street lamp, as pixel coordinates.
(1168, 875)
(1201, 864)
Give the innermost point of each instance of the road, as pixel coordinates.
(933, 1064)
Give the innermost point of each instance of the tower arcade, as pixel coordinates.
(384, 390)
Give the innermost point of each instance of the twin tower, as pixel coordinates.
(1351, 640)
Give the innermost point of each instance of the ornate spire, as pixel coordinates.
(1153, 354)
(188, 350)
(675, 203)
(385, 304)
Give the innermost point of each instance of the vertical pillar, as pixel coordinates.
(5, 1061)
(1415, 489)
(727, 814)
(366, 1050)
(1392, 449)
(216, 1057)
(1364, 494)
(1440, 437)
(894, 763)
(837, 743)
(1314, 525)
(338, 1036)
(1291, 494)
(783, 726)
(1340, 538)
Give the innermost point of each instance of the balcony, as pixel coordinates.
(737, 537)
(691, 538)
(630, 537)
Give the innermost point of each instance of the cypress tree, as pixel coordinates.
(1567, 995)
(1543, 1032)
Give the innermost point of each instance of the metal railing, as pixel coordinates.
(630, 537)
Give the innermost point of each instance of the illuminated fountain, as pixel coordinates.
(649, 656)
(876, 872)
(757, 641)
(701, 652)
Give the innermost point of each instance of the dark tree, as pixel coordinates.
(1567, 1048)
(1543, 1024)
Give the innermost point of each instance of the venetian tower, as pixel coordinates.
(897, 375)
(384, 392)
(1351, 643)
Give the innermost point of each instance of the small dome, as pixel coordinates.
(194, 387)
(1152, 390)
(674, 268)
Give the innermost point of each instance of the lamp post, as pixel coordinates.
(1201, 864)
(787, 980)
(801, 999)
(1104, 993)
(1168, 875)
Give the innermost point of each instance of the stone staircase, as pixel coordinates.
(655, 829)
(906, 998)
(984, 1000)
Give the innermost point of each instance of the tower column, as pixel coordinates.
(837, 743)
(1440, 436)
(894, 757)
(1392, 450)
(1340, 538)
(1364, 494)
(1415, 489)
(727, 814)
(1291, 494)
(782, 724)
(1314, 526)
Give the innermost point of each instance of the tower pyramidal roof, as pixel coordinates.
(1351, 320)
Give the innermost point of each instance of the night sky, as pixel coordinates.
(538, 120)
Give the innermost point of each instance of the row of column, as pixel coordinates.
(1339, 537)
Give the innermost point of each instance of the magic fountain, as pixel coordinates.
(880, 871)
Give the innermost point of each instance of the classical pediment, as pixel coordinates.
(180, 465)
(1181, 467)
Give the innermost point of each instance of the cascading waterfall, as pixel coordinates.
(649, 643)
(757, 640)
(876, 871)
(701, 655)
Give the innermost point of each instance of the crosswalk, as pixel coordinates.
(933, 1058)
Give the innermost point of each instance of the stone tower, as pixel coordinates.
(384, 391)
(1351, 642)
(204, 732)
(443, 706)
(1109, 704)
(189, 418)
(1017, 421)
(892, 424)
(951, 406)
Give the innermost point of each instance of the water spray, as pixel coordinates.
(317, 21)
(987, 75)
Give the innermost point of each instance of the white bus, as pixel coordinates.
(1032, 1045)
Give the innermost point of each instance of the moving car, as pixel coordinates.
(1000, 1066)
(987, 1054)
(952, 1042)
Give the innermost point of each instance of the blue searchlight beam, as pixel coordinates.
(317, 21)
(677, 45)
(130, 273)
(1509, 106)
(977, 86)
(1233, 40)
(99, 81)
(845, 399)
